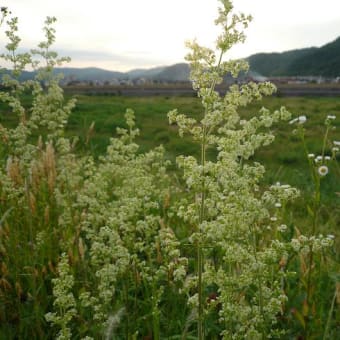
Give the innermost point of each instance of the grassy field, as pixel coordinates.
(107, 113)
(284, 160)
(104, 235)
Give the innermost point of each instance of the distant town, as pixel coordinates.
(71, 81)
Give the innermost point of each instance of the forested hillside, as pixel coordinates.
(323, 61)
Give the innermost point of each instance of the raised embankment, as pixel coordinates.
(329, 90)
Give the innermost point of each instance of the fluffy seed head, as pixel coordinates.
(323, 170)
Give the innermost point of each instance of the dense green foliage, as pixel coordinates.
(277, 64)
(323, 61)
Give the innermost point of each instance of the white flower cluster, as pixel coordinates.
(319, 162)
(106, 214)
(64, 301)
(336, 146)
(316, 244)
(222, 205)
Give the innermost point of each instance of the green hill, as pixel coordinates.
(79, 74)
(322, 61)
(276, 64)
(90, 73)
(145, 73)
(177, 72)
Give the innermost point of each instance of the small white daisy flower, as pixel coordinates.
(299, 120)
(327, 158)
(311, 155)
(278, 205)
(302, 119)
(335, 149)
(323, 170)
(331, 117)
(336, 143)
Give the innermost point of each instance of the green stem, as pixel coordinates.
(324, 142)
(325, 335)
(199, 245)
(201, 219)
(155, 323)
(310, 162)
(263, 327)
(200, 291)
(126, 293)
(316, 207)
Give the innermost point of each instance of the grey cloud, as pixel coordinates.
(129, 58)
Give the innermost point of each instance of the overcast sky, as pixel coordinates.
(126, 34)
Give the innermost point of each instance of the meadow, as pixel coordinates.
(284, 159)
(208, 217)
(94, 121)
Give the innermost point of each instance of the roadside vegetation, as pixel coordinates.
(115, 224)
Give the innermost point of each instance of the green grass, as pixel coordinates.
(108, 113)
(284, 159)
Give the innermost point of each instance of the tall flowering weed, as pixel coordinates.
(228, 213)
(118, 246)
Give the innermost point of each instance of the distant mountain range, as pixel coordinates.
(323, 61)
(174, 73)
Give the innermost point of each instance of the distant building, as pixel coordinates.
(114, 82)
